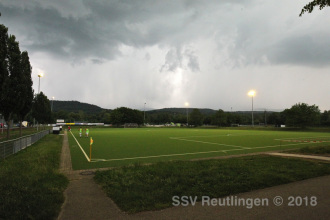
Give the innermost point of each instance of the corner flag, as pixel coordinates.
(90, 149)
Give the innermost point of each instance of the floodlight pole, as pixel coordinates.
(252, 93)
(144, 114)
(252, 112)
(187, 116)
(39, 75)
(39, 85)
(52, 103)
(187, 105)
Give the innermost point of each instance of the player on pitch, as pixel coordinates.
(87, 132)
(80, 131)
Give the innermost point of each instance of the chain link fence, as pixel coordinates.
(10, 147)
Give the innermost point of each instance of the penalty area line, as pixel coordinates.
(204, 142)
(183, 154)
(168, 155)
(80, 147)
(315, 137)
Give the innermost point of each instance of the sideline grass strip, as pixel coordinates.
(127, 186)
(31, 186)
(317, 150)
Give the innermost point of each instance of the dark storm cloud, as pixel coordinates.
(167, 52)
(302, 50)
(98, 33)
(64, 37)
(308, 49)
(98, 29)
(103, 26)
(180, 58)
(261, 37)
(173, 60)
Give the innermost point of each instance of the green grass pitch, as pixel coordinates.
(118, 147)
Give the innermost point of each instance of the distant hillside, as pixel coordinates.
(75, 106)
(204, 111)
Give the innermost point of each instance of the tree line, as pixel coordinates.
(15, 78)
(17, 98)
(299, 115)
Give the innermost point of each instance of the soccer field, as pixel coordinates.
(118, 147)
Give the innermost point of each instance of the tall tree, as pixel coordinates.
(195, 117)
(325, 118)
(219, 118)
(16, 93)
(3, 62)
(26, 88)
(310, 6)
(11, 100)
(302, 115)
(41, 109)
(3, 58)
(124, 115)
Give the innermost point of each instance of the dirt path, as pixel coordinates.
(84, 199)
(301, 156)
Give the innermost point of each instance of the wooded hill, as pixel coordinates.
(204, 111)
(75, 106)
(73, 111)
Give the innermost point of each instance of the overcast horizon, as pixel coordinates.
(166, 53)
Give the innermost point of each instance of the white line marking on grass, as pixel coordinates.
(168, 155)
(173, 155)
(80, 147)
(222, 135)
(194, 153)
(203, 142)
(301, 138)
(269, 146)
(200, 136)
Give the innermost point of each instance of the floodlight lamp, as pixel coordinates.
(40, 75)
(186, 104)
(251, 93)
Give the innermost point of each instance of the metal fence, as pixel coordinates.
(10, 147)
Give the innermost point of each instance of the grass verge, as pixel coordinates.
(316, 150)
(31, 186)
(141, 188)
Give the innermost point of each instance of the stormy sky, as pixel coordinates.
(115, 53)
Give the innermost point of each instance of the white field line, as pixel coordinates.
(81, 147)
(166, 155)
(203, 142)
(206, 152)
(301, 138)
(173, 155)
(223, 135)
(281, 145)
